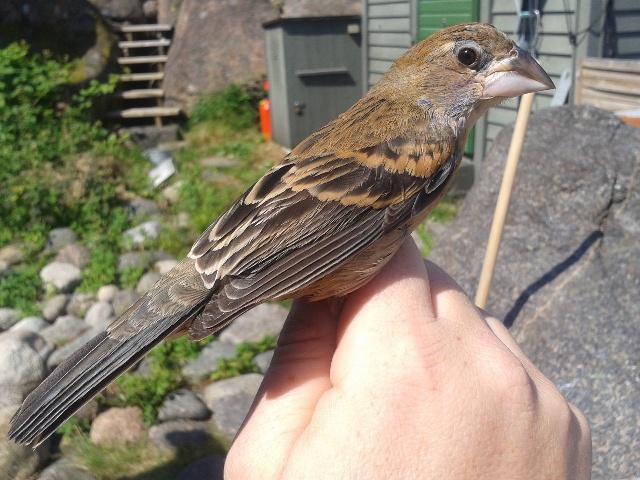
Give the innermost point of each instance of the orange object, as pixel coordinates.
(264, 107)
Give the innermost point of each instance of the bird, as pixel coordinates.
(319, 224)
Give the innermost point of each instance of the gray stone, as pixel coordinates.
(118, 426)
(79, 304)
(567, 276)
(54, 307)
(11, 254)
(75, 254)
(18, 462)
(106, 293)
(8, 318)
(207, 361)
(31, 324)
(168, 11)
(172, 192)
(100, 315)
(123, 300)
(209, 468)
(60, 237)
(61, 354)
(157, 155)
(133, 260)
(140, 234)
(63, 276)
(147, 281)
(65, 469)
(21, 369)
(264, 320)
(4, 267)
(263, 360)
(230, 401)
(219, 162)
(150, 9)
(181, 435)
(164, 266)
(142, 207)
(33, 339)
(183, 404)
(63, 330)
(129, 10)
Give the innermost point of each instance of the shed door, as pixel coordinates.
(434, 15)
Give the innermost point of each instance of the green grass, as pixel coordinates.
(444, 212)
(243, 362)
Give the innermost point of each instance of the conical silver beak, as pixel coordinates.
(515, 75)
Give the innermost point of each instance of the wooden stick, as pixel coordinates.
(502, 205)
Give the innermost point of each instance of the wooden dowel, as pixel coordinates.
(502, 205)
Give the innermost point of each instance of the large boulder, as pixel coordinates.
(21, 368)
(120, 10)
(70, 27)
(567, 276)
(215, 44)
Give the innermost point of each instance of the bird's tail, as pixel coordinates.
(169, 306)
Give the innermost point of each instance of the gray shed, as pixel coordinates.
(314, 67)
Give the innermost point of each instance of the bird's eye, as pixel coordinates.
(468, 56)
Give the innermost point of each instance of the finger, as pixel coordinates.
(386, 324)
(297, 377)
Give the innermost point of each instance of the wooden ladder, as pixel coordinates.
(143, 50)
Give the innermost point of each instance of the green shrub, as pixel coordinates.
(21, 288)
(233, 107)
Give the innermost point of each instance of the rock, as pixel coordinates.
(11, 254)
(63, 276)
(33, 339)
(100, 315)
(54, 307)
(211, 468)
(79, 304)
(219, 162)
(118, 426)
(163, 266)
(75, 254)
(230, 401)
(207, 361)
(262, 321)
(181, 435)
(130, 10)
(193, 69)
(263, 360)
(31, 324)
(88, 412)
(150, 9)
(107, 293)
(564, 276)
(157, 155)
(313, 8)
(21, 369)
(150, 136)
(145, 231)
(4, 267)
(8, 318)
(183, 404)
(168, 11)
(129, 260)
(63, 330)
(18, 462)
(172, 192)
(60, 237)
(123, 300)
(60, 354)
(147, 281)
(182, 220)
(145, 367)
(142, 207)
(65, 469)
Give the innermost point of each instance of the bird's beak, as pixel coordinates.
(515, 75)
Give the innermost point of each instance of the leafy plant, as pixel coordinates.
(232, 107)
(243, 361)
(129, 276)
(20, 289)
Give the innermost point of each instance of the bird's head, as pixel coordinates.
(462, 70)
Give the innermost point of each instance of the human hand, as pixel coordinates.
(409, 381)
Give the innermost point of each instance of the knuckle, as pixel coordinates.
(513, 383)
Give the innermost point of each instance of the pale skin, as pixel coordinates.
(409, 381)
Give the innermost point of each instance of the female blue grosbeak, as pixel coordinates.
(319, 224)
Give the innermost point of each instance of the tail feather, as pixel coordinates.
(88, 370)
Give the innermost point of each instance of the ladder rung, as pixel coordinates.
(138, 60)
(146, 112)
(139, 77)
(145, 28)
(161, 42)
(141, 93)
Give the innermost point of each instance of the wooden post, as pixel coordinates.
(502, 205)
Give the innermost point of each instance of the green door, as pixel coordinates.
(436, 14)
